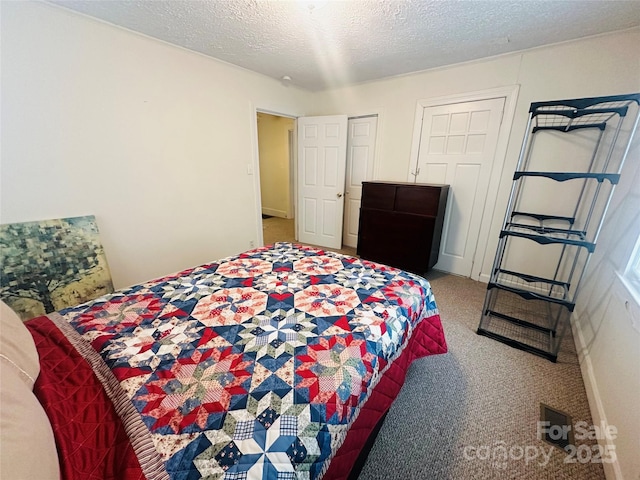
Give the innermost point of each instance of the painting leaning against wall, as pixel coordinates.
(52, 264)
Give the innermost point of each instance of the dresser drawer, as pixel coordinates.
(416, 199)
(378, 195)
(398, 239)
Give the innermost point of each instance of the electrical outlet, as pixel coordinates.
(252, 244)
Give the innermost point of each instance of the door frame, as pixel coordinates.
(254, 166)
(292, 141)
(510, 94)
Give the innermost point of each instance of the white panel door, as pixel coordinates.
(361, 142)
(457, 147)
(322, 148)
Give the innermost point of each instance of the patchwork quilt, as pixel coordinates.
(253, 367)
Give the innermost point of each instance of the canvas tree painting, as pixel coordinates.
(52, 264)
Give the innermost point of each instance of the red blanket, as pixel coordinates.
(93, 444)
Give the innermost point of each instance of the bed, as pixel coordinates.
(277, 363)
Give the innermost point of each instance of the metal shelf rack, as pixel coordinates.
(549, 232)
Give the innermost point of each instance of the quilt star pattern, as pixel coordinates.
(253, 367)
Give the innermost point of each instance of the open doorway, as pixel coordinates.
(275, 154)
(277, 143)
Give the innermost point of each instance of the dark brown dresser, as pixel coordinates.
(401, 224)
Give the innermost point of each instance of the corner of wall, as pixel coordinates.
(611, 470)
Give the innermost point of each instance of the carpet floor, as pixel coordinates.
(472, 413)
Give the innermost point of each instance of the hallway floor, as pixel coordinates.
(276, 229)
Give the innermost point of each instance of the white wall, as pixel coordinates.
(608, 344)
(151, 139)
(604, 65)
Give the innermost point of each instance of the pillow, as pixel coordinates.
(17, 346)
(27, 446)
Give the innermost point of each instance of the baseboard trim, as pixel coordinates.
(484, 277)
(274, 212)
(611, 470)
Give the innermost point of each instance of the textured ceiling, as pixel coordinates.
(321, 44)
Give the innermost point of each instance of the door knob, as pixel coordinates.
(339, 195)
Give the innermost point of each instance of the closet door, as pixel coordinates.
(361, 142)
(457, 147)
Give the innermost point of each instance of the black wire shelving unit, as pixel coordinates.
(570, 162)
